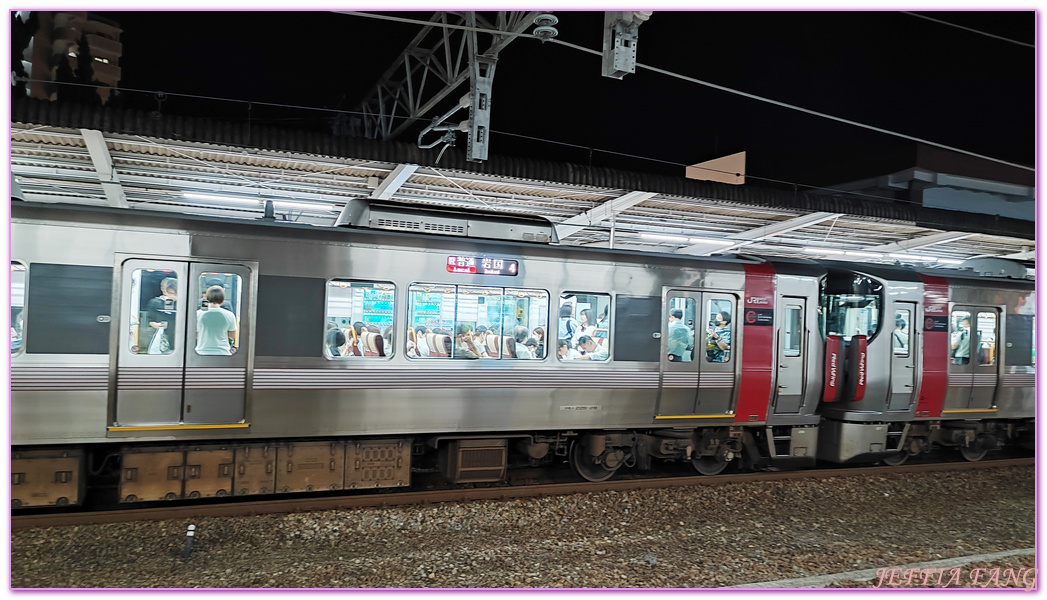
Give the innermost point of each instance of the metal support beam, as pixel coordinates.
(760, 233)
(103, 163)
(620, 33)
(392, 183)
(481, 83)
(595, 216)
(921, 242)
(439, 56)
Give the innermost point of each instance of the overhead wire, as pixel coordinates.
(701, 82)
(972, 30)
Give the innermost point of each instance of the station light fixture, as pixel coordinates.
(811, 250)
(659, 237)
(258, 201)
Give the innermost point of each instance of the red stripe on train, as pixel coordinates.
(935, 330)
(754, 389)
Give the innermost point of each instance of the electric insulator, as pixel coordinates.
(545, 33)
(546, 20)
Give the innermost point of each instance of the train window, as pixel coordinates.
(154, 306)
(793, 335)
(584, 324)
(17, 306)
(986, 338)
(960, 337)
(902, 332)
(1021, 343)
(218, 314)
(359, 319)
(527, 312)
(850, 305)
(718, 338)
(67, 309)
(447, 321)
(681, 329)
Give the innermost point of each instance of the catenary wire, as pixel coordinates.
(999, 37)
(700, 82)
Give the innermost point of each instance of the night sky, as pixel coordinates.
(884, 68)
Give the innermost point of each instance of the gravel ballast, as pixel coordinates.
(701, 536)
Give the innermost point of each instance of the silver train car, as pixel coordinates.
(467, 344)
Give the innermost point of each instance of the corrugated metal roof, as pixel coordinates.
(159, 159)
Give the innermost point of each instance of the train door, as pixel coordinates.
(792, 360)
(903, 357)
(164, 377)
(973, 364)
(984, 359)
(678, 354)
(697, 360)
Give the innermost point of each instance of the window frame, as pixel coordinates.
(610, 327)
(908, 318)
(25, 305)
(327, 300)
(733, 300)
(456, 287)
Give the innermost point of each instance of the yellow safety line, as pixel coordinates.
(163, 427)
(970, 410)
(694, 417)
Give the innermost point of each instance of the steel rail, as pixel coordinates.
(293, 505)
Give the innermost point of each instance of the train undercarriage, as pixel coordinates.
(63, 476)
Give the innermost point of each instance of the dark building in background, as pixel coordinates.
(66, 47)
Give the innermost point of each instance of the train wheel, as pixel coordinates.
(895, 459)
(709, 465)
(974, 452)
(583, 464)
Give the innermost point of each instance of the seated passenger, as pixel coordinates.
(539, 336)
(464, 346)
(591, 350)
(334, 339)
(564, 350)
(531, 345)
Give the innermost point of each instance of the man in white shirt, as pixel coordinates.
(592, 350)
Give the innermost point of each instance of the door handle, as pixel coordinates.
(782, 387)
(908, 385)
(783, 366)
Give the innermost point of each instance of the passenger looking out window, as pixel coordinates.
(961, 338)
(215, 326)
(681, 338)
(718, 338)
(160, 315)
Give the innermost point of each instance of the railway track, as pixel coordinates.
(307, 504)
